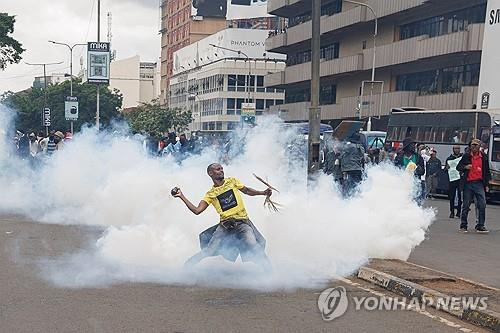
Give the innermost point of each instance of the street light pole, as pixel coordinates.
(314, 111)
(70, 68)
(374, 60)
(45, 84)
(97, 115)
(247, 81)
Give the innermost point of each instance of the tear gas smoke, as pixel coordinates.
(106, 180)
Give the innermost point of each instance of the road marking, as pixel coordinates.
(409, 307)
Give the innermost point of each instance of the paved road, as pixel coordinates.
(30, 304)
(473, 256)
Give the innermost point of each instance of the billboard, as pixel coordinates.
(229, 9)
(489, 89)
(251, 42)
(98, 57)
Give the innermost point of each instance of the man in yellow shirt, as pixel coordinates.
(235, 234)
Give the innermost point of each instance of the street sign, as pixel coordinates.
(248, 109)
(71, 108)
(98, 59)
(46, 117)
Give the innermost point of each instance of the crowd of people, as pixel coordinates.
(33, 146)
(468, 173)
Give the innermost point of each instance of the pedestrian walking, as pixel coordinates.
(413, 162)
(432, 170)
(454, 177)
(476, 169)
(352, 164)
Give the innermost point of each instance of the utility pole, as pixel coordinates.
(45, 84)
(374, 62)
(97, 116)
(315, 111)
(70, 68)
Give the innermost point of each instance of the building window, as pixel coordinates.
(328, 9)
(328, 52)
(445, 80)
(260, 84)
(299, 95)
(328, 95)
(444, 24)
(259, 104)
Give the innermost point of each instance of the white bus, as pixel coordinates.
(443, 129)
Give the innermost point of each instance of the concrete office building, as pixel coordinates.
(137, 81)
(180, 28)
(428, 55)
(53, 78)
(211, 82)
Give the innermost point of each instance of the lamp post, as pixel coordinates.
(70, 67)
(45, 84)
(313, 141)
(247, 80)
(374, 60)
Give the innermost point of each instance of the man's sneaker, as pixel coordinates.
(463, 230)
(452, 215)
(482, 230)
(457, 215)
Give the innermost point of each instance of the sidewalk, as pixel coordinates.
(411, 280)
(473, 256)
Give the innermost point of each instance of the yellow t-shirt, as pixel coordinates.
(227, 200)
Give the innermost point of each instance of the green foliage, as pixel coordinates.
(28, 105)
(10, 49)
(156, 120)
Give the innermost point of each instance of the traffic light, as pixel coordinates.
(248, 119)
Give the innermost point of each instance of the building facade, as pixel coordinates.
(55, 78)
(180, 28)
(139, 82)
(428, 55)
(214, 83)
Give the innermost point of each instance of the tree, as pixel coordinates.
(155, 119)
(10, 49)
(28, 105)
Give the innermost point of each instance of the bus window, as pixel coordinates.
(421, 134)
(485, 134)
(466, 135)
(393, 134)
(439, 133)
(451, 135)
(428, 135)
(495, 154)
(402, 133)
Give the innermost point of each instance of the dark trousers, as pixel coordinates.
(351, 181)
(453, 193)
(474, 191)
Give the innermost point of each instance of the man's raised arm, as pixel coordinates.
(197, 210)
(251, 192)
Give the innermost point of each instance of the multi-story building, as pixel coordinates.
(137, 81)
(214, 83)
(180, 28)
(54, 78)
(428, 55)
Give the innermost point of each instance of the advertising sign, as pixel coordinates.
(251, 42)
(489, 89)
(46, 117)
(71, 108)
(98, 58)
(229, 9)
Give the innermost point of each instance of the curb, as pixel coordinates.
(483, 318)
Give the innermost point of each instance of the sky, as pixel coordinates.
(135, 26)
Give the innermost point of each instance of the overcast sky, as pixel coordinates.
(135, 32)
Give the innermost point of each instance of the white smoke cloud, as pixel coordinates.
(106, 180)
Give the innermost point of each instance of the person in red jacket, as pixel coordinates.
(476, 169)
